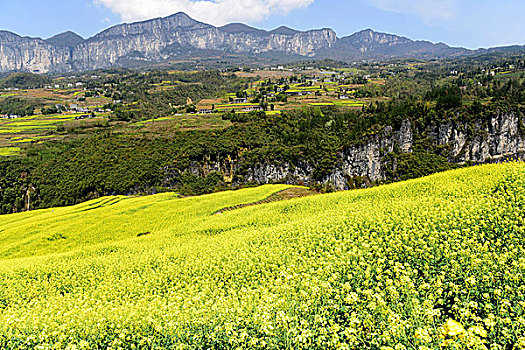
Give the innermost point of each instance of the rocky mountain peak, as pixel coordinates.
(371, 38)
(178, 21)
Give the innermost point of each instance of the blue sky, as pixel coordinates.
(468, 23)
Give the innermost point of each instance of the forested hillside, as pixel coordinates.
(197, 162)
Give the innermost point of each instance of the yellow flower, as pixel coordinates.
(480, 332)
(446, 342)
(422, 335)
(453, 329)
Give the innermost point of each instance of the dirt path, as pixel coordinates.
(283, 195)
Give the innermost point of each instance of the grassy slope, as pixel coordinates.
(114, 218)
(367, 268)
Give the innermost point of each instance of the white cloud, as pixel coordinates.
(431, 11)
(217, 12)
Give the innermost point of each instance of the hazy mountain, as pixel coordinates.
(176, 36)
(240, 28)
(368, 44)
(284, 31)
(67, 39)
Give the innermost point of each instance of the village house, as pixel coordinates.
(252, 108)
(239, 100)
(76, 108)
(298, 93)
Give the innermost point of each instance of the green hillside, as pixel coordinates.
(431, 263)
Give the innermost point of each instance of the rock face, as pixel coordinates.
(162, 39)
(29, 54)
(368, 44)
(492, 140)
(368, 40)
(155, 40)
(496, 139)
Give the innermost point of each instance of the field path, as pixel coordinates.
(283, 195)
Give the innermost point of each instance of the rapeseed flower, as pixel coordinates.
(453, 329)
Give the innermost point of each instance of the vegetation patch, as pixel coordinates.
(9, 151)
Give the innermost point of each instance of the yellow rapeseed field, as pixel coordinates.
(433, 263)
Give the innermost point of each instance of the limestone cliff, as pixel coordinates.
(30, 54)
(172, 37)
(495, 139)
(154, 40)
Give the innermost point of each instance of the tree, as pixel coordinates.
(446, 97)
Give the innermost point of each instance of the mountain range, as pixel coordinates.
(178, 36)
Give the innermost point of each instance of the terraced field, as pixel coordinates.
(433, 263)
(31, 129)
(341, 103)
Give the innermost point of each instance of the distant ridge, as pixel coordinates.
(67, 39)
(170, 38)
(284, 31)
(237, 28)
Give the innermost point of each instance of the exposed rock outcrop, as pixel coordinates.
(154, 40)
(162, 39)
(495, 139)
(492, 140)
(28, 54)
